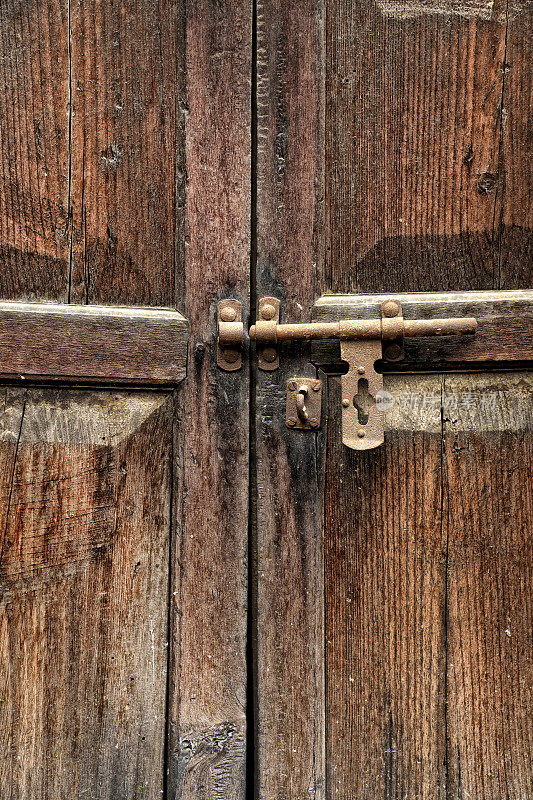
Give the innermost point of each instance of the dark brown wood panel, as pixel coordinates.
(34, 150)
(385, 557)
(84, 593)
(124, 153)
(427, 158)
(207, 749)
(288, 521)
(488, 463)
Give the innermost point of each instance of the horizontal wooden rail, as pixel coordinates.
(100, 344)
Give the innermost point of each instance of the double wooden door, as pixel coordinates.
(195, 600)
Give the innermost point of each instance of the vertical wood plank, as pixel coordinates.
(488, 462)
(124, 66)
(426, 145)
(34, 150)
(288, 530)
(427, 187)
(385, 556)
(83, 595)
(103, 79)
(207, 747)
(515, 242)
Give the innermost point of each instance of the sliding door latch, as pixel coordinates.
(363, 342)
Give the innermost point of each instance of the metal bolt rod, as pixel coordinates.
(266, 331)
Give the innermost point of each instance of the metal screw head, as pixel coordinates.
(393, 352)
(291, 422)
(268, 311)
(346, 402)
(228, 314)
(230, 355)
(360, 370)
(292, 384)
(269, 354)
(313, 422)
(361, 434)
(390, 308)
(316, 386)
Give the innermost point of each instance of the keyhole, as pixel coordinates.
(363, 401)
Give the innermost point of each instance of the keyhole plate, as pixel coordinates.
(304, 404)
(362, 421)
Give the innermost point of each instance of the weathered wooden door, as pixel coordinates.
(196, 599)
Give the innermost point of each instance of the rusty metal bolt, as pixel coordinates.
(228, 314)
(361, 434)
(268, 311)
(390, 308)
(393, 352)
(230, 355)
(291, 422)
(269, 354)
(346, 402)
(316, 386)
(360, 370)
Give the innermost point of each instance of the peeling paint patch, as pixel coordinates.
(406, 9)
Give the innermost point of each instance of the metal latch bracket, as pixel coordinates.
(363, 342)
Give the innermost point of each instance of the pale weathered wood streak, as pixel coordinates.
(427, 162)
(385, 571)
(92, 343)
(207, 749)
(488, 463)
(83, 593)
(288, 530)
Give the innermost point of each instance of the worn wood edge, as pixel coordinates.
(90, 343)
(423, 302)
(90, 311)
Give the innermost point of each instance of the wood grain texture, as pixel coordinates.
(84, 593)
(124, 151)
(92, 159)
(208, 682)
(504, 332)
(34, 150)
(488, 463)
(290, 758)
(385, 556)
(428, 181)
(515, 255)
(92, 343)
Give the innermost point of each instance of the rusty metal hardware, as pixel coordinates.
(304, 404)
(363, 342)
(230, 335)
(267, 352)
